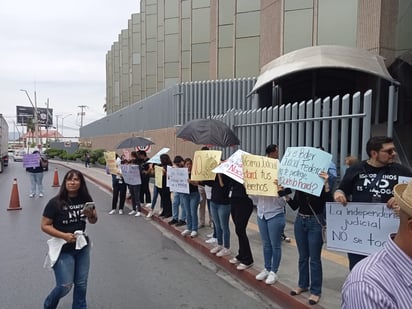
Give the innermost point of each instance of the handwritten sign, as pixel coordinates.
(31, 160)
(178, 179)
(131, 174)
(156, 158)
(300, 168)
(158, 176)
(360, 228)
(203, 164)
(233, 166)
(110, 157)
(259, 174)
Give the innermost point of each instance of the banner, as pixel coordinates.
(44, 115)
(156, 158)
(110, 157)
(203, 163)
(300, 168)
(177, 179)
(131, 174)
(233, 166)
(158, 176)
(31, 160)
(360, 228)
(259, 174)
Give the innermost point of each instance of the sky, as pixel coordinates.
(57, 49)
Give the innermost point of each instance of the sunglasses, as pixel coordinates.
(389, 151)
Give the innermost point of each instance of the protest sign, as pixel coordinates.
(110, 157)
(158, 176)
(404, 179)
(178, 179)
(232, 167)
(300, 168)
(259, 174)
(131, 174)
(31, 160)
(360, 228)
(203, 163)
(156, 158)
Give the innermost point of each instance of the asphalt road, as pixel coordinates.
(134, 263)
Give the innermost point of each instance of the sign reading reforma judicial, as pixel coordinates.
(25, 112)
(300, 168)
(360, 228)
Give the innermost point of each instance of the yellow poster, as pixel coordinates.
(110, 157)
(158, 176)
(204, 162)
(259, 175)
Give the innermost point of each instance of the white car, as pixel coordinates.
(18, 155)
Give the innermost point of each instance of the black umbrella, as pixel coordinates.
(208, 132)
(133, 142)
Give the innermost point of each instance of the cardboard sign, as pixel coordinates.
(360, 228)
(31, 160)
(156, 158)
(203, 164)
(110, 157)
(177, 179)
(233, 166)
(300, 168)
(259, 174)
(131, 174)
(158, 176)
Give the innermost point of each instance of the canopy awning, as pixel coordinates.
(319, 57)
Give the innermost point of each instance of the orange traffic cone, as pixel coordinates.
(14, 198)
(56, 179)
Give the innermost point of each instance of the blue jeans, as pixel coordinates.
(71, 268)
(155, 195)
(270, 232)
(191, 204)
(36, 179)
(220, 215)
(135, 192)
(177, 202)
(308, 234)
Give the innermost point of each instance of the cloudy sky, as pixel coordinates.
(58, 49)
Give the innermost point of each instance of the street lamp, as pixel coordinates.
(63, 123)
(57, 127)
(36, 121)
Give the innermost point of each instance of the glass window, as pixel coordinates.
(298, 4)
(186, 59)
(404, 27)
(151, 61)
(247, 5)
(151, 26)
(171, 25)
(226, 12)
(201, 3)
(151, 45)
(136, 58)
(298, 30)
(247, 24)
(201, 25)
(171, 69)
(200, 52)
(151, 9)
(171, 8)
(225, 65)
(247, 57)
(171, 47)
(225, 36)
(200, 71)
(337, 22)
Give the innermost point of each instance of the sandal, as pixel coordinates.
(314, 299)
(297, 291)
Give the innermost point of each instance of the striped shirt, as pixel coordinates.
(382, 280)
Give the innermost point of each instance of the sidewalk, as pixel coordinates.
(335, 265)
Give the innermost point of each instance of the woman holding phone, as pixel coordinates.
(64, 218)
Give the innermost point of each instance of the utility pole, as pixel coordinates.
(81, 114)
(47, 123)
(57, 127)
(36, 121)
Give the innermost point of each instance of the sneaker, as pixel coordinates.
(223, 252)
(216, 249)
(242, 266)
(132, 212)
(149, 214)
(148, 205)
(181, 223)
(211, 240)
(31, 195)
(120, 211)
(285, 238)
(173, 221)
(262, 275)
(185, 232)
(271, 278)
(234, 261)
(138, 214)
(210, 235)
(41, 195)
(193, 234)
(112, 212)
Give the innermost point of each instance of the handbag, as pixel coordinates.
(324, 230)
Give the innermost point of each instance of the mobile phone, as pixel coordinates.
(89, 206)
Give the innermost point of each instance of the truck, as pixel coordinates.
(4, 143)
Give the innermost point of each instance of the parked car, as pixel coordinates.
(18, 155)
(11, 154)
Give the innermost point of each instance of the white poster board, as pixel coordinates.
(360, 228)
(177, 179)
(131, 174)
(233, 166)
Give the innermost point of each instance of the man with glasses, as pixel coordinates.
(372, 180)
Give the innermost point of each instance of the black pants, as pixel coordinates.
(119, 190)
(135, 192)
(145, 191)
(166, 202)
(241, 211)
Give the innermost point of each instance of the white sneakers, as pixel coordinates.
(132, 212)
(271, 278)
(234, 261)
(41, 194)
(185, 232)
(138, 214)
(242, 266)
(112, 212)
(148, 205)
(211, 240)
(31, 195)
(150, 214)
(216, 249)
(262, 275)
(193, 234)
(223, 252)
(120, 211)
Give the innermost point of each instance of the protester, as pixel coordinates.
(166, 202)
(86, 159)
(135, 189)
(383, 280)
(351, 160)
(36, 178)
(145, 196)
(177, 204)
(241, 210)
(119, 188)
(309, 241)
(203, 201)
(191, 203)
(212, 236)
(372, 180)
(64, 218)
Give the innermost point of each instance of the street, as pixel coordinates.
(134, 264)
